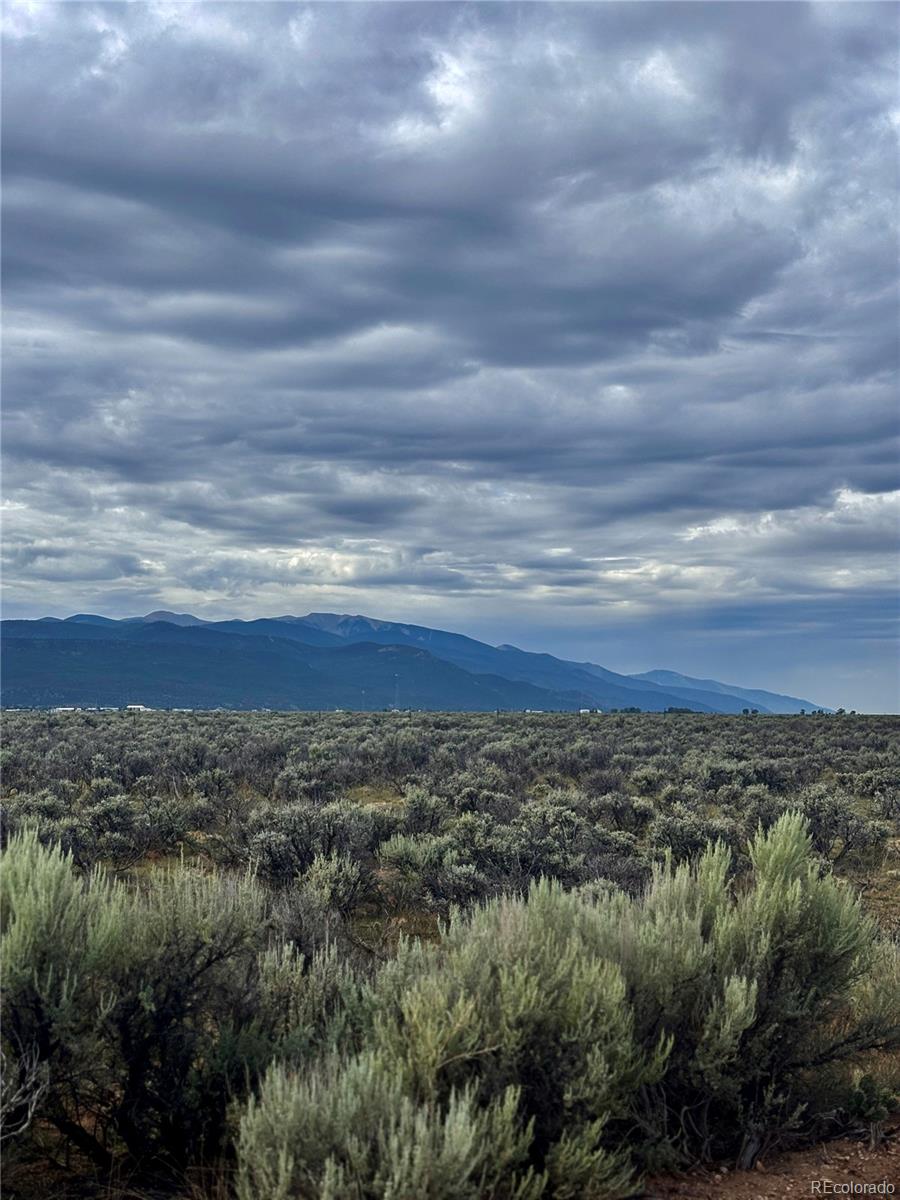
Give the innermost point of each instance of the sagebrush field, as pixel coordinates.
(440, 956)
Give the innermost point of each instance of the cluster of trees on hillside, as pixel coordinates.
(440, 956)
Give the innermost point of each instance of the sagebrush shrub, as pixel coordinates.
(137, 1011)
(756, 983)
(351, 1130)
(686, 1022)
(150, 1008)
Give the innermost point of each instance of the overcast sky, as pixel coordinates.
(570, 326)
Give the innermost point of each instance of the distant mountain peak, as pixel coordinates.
(758, 697)
(172, 618)
(341, 623)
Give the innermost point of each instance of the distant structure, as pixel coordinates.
(137, 708)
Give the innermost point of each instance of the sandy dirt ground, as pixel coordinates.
(794, 1174)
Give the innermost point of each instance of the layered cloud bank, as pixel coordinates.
(572, 326)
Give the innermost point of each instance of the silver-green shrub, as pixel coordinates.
(508, 1035)
(146, 1008)
(617, 1032)
(351, 1130)
(758, 983)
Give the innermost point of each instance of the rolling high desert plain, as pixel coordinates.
(449, 659)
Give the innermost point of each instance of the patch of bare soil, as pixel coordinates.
(836, 1169)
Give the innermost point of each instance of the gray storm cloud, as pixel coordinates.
(568, 325)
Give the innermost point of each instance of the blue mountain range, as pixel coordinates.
(325, 661)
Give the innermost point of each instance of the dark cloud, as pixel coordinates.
(469, 314)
